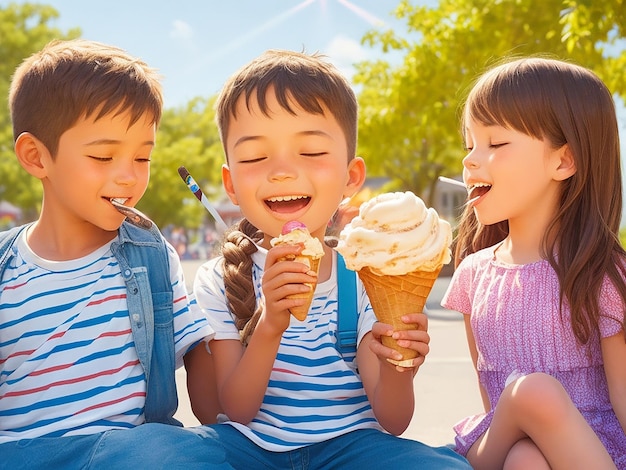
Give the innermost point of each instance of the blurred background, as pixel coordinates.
(410, 63)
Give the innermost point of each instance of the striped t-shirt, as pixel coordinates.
(68, 364)
(314, 393)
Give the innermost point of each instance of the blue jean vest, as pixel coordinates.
(144, 266)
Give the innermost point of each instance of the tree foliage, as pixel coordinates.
(186, 137)
(409, 117)
(24, 29)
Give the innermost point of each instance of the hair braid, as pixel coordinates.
(237, 250)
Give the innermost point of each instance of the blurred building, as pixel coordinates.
(449, 201)
(9, 215)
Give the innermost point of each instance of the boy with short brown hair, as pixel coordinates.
(95, 315)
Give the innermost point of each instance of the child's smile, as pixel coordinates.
(287, 204)
(524, 167)
(285, 165)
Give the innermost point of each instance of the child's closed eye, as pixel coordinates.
(100, 159)
(252, 160)
(108, 159)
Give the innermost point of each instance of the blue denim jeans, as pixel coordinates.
(360, 450)
(149, 446)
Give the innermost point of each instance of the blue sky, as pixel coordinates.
(197, 44)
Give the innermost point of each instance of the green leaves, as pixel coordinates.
(24, 29)
(409, 122)
(187, 137)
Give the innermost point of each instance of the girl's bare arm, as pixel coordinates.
(201, 384)
(471, 343)
(614, 355)
(243, 373)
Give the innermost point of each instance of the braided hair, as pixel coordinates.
(237, 250)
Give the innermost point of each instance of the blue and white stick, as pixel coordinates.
(195, 189)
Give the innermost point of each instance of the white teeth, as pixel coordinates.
(478, 185)
(119, 200)
(285, 198)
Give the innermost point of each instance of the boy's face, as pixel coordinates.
(97, 161)
(286, 167)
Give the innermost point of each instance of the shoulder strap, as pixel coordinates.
(347, 308)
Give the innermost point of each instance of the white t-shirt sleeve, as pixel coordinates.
(190, 324)
(211, 297)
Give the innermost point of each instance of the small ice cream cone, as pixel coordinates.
(296, 233)
(301, 312)
(392, 296)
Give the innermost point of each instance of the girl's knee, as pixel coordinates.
(524, 455)
(539, 396)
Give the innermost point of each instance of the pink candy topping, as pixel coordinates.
(291, 226)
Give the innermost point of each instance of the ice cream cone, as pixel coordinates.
(394, 296)
(302, 311)
(296, 233)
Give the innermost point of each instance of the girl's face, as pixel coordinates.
(288, 167)
(514, 176)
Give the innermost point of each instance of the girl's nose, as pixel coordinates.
(470, 161)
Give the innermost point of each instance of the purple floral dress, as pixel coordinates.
(518, 330)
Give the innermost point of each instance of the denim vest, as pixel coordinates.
(144, 266)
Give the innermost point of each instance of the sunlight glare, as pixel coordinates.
(242, 40)
(367, 16)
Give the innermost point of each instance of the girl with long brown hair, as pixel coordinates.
(541, 274)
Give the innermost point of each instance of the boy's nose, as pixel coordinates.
(126, 175)
(283, 169)
(281, 176)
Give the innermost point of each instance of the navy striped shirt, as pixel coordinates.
(68, 364)
(314, 393)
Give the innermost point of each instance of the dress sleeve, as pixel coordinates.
(457, 296)
(611, 320)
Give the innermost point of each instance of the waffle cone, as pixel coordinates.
(394, 296)
(302, 311)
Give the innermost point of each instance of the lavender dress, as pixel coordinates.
(518, 330)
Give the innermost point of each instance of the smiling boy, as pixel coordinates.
(290, 396)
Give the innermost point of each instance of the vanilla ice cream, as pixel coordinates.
(296, 233)
(395, 233)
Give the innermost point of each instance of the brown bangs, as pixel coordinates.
(70, 80)
(296, 80)
(509, 98)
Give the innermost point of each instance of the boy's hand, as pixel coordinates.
(281, 279)
(417, 339)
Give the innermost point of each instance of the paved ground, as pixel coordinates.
(445, 386)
